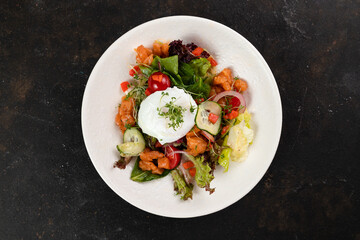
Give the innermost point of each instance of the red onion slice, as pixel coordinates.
(233, 94)
(188, 178)
(177, 142)
(181, 152)
(208, 136)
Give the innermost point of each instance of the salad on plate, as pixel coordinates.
(181, 117)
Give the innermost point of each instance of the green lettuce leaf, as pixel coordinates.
(147, 71)
(199, 88)
(176, 81)
(246, 116)
(169, 64)
(139, 175)
(180, 185)
(224, 158)
(200, 66)
(203, 175)
(225, 155)
(193, 70)
(187, 76)
(187, 73)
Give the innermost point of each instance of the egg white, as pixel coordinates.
(156, 126)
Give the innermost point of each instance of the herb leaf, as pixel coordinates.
(174, 113)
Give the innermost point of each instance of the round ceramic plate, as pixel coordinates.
(103, 94)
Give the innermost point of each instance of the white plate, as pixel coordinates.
(103, 94)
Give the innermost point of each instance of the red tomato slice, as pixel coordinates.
(173, 157)
(233, 103)
(147, 92)
(158, 81)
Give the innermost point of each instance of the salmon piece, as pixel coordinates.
(196, 144)
(161, 49)
(157, 171)
(194, 132)
(125, 114)
(165, 49)
(215, 90)
(146, 150)
(240, 85)
(118, 118)
(222, 102)
(147, 166)
(224, 79)
(148, 155)
(157, 48)
(164, 163)
(212, 92)
(127, 120)
(144, 55)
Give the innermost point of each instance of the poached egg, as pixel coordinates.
(157, 126)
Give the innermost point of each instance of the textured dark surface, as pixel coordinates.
(49, 187)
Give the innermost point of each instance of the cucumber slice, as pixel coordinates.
(133, 135)
(133, 145)
(202, 117)
(130, 149)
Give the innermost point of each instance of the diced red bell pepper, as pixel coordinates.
(188, 164)
(192, 172)
(134, 70)
(199, 100)
(125, 86)
(197, 51)
(224, 129)
(213, 118)
(231, 115)
(212, 61)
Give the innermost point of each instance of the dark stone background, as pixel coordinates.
(49, 187)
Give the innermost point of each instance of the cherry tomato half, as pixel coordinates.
(173, 157)
(158, 81)
(233, 103)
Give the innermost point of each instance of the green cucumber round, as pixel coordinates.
(202, 117)
(133, 135)
(133, 145)
(130, 149)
